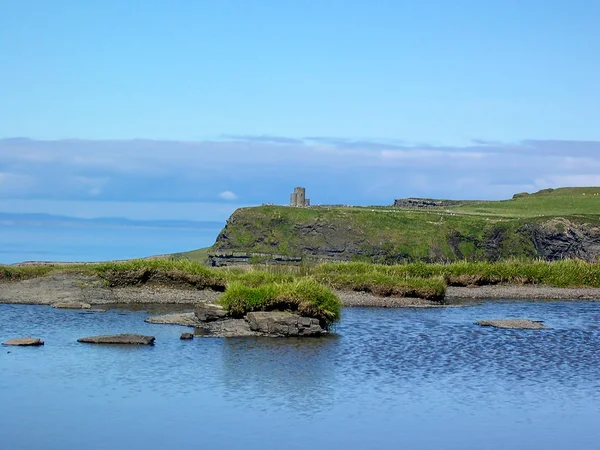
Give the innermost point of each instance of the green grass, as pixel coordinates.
(305, 296)
(200, 255)
(421, 280)
(546, 203)
(11, 273)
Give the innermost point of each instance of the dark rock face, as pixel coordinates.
(24, 342)
(209, 312)
(186, 336)
(563, 239)
(284, 324)
(417, 203)
(128, 339)
(516, 324)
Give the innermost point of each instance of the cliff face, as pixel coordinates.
(394, 236)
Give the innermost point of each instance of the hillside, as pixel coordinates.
(550, 224)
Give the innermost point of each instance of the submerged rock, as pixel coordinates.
(517, 324)
(130, 339)
(284, 324)
(24, 342)
(209, 312)
(186, 336)
(71, 305)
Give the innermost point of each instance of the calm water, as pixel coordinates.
(95, 243)
(390, 379)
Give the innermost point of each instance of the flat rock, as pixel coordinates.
(71, 305)
(24, 342)
(130, 339)
(209, 312)
(183, 319)
(186, 336)
(279, 323)
(516, 324)
(226, 328)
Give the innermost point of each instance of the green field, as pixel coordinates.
(548, 203)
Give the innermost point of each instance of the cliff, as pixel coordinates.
(551, 225)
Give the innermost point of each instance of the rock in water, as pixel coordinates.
(209, 312)
(71, 305)
(184, 319)
(516, 324)
(131, 339)
(186, 336)
(24, 342)
(284, 324)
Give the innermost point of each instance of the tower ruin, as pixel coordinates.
(298, 197)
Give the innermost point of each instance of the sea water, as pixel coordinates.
(387, 379)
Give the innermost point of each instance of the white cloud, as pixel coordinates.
(228, 195)
(336, 171)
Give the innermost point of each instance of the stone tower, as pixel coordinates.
(298, 197)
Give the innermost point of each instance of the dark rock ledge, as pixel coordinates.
(212, 320)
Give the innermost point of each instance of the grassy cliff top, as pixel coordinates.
(562, 202)
(549, 202)
(473, 230)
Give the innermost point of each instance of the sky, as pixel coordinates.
(187, 110)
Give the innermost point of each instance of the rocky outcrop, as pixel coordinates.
(71, 305)
(564, 239)
(24, 342)
(516, 324)
(280, 323)
(126, 339)
(186, 336)
(211, 320)
(417, 203)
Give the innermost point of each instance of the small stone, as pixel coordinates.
(129, 339)
(186, 336)
(24, 342)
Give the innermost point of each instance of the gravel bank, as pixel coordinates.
(510, 292)
(73, 288)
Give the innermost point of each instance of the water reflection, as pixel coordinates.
(294, 374)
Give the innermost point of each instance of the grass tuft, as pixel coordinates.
(306, 297)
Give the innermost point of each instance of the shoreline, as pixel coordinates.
(67, 287)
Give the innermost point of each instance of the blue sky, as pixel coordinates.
(185, 110)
